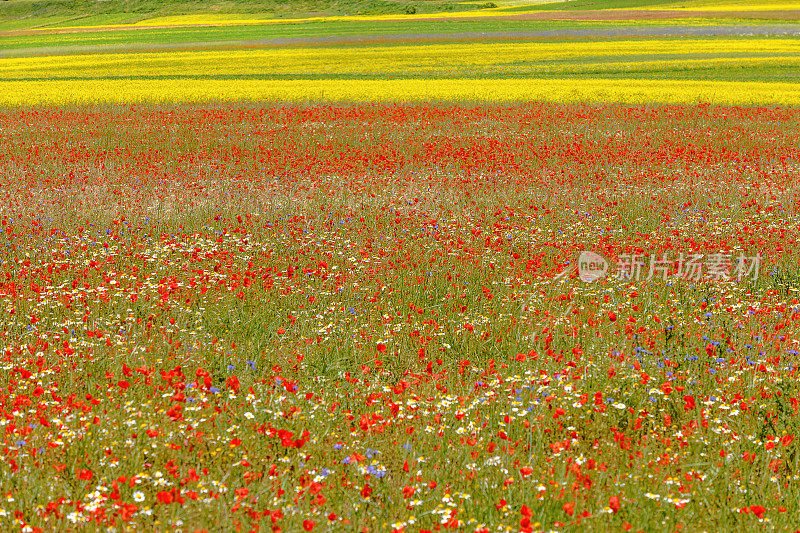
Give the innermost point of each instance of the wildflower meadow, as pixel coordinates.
(367, 317)
(399, 267)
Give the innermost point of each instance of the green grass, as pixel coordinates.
(31, 22)
(98, 20)
(18, 9)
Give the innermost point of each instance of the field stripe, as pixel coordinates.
(426, 59)
(60, 92)
(28, 47)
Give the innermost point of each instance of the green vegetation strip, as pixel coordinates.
(772, 73)
(140, 9)
(135, 38)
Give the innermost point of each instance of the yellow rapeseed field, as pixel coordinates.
(14, 93)
(463, 58)
(450, 71)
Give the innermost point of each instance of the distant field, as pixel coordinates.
(629, 51)
(630, 57)
(717, 5)
(721, 70)
(18, 9)
(27, 14)
(14, 43)
(724, 5)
